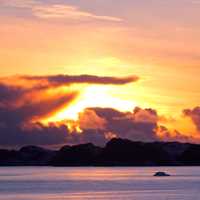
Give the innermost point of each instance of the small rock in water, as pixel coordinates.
(161, 174)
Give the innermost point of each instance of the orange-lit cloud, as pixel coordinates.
(35, 91)
(88, 119)
(194, 114)
(138, 125)
(25, 101)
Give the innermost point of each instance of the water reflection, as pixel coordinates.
(44, 183)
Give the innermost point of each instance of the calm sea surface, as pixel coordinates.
(135, 183)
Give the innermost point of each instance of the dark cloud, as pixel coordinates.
(9, 93)
(194, 114)
(90, 79)
(17, 128)
(94, 136)
(137, 125)
(26, 100)
(98, 126)
(51, 134)
(32, 110)
(36, 134)
(23, 106)
(19, 105)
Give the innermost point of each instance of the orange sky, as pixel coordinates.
(158, 42)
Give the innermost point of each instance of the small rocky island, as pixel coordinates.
(161, 174)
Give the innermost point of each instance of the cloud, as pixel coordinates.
(128, 124)
(68, 12)
(90, 79)
(106, 123)
(145, 115)
(90, 120)
(139, 125)
(29, 96)
(20, 3)
(20, 110)
(24, 101)
(9, 93)
(170, 136)
(36, 134)
(194, 114)
(48, 10)
(98, 125)
(19, 114)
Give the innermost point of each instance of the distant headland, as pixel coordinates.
(117, 152)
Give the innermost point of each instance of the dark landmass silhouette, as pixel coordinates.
(117, 152)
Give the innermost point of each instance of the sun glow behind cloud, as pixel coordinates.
(92, 96)
(100, 39)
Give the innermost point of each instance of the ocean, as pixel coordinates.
(110, 183)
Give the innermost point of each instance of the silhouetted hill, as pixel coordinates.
(117, 152)
(26, 156)
(191, 156)
(128, 153)
(78, 155)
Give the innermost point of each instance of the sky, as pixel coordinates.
(74, 71)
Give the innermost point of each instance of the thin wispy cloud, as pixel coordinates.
(69, 12)
(90, 79)
(56, 11)
(19, 3)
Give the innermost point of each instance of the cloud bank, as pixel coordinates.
(25, 100)
(138, 125)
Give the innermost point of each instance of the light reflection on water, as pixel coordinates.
(48, 183)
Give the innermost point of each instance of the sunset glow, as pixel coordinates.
(93, 96)
(131, 67)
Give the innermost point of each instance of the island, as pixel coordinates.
(117, 152)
